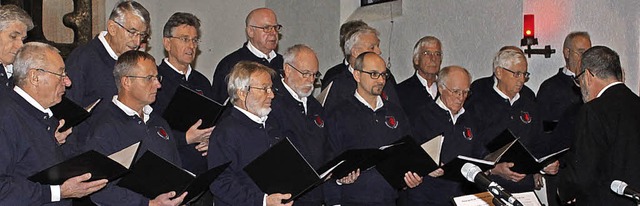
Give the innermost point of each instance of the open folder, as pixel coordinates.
(152, 175)
(100, 166)
(72, 113)
(507, 148)
(187, 107)
(282, 169)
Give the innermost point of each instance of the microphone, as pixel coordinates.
(621, 188)
(473, 173)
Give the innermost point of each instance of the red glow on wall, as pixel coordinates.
(529, 26)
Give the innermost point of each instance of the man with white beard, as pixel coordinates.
(299, 116)
(243, 135)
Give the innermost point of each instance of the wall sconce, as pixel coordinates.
(530, 39)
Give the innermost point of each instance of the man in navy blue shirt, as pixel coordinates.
(364, 39)
(15, 24)
(29, 141)
(91, 65)
(298, 115)
(366, 120)
(243, 135)
(448, 117)
(421, 89)
(262, 30)
(346, 30)
(127, 118)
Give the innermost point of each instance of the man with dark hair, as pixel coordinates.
(262, 30)
(91, 65)
(181, 36)
(366, 120)
(127, 118)
(14, 24)
(244, 135)
(607, 134)
(421, 89)
(346, 30)
(448, 117)
(298, 115)
(29, 141)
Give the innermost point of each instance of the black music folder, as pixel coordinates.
(282, 169)
(100, 166)
(187, 107)
(549, 126)
(152, 175)
(72, 113)
(510, 149)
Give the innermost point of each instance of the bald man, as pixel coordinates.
(262, 30)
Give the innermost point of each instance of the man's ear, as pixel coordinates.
(111, 27)
(356, 75)
(566, 52)
(498, 73)
(33, 77)
(166, 44)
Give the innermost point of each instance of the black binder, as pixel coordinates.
(282, 169)
(72, 113)
(152, 175)
(187, 107)
(99, 165)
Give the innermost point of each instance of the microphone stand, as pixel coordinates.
(497, 202)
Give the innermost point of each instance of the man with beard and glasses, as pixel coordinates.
(421, 89)
(299, 116)
(243, 135)
(508, 106)
(366, 120)
(262, 31)
(91, 65)
(607, 134)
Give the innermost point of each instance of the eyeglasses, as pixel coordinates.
(133, 32)
(268, 28)
(578, 52)
(458, 92)
(61, 75)
(576, 79)
(149, 78)
(187, 40)
(306, 74)
(518, 74)
(268, 90)
(432, 54)
(376, 75)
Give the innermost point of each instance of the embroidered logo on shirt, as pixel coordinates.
(384, 96)
(467, 133)
(525, 117)
(162, 133)
(319, 122)
(391, 122)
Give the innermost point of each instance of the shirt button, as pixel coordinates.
(44, 117)
(511, 117)
(48, 128)
(139, 122)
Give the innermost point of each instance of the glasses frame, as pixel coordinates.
(133, 33)
(432, 54)
(268, 90)
(376, 75)
(518, 74)
(307, 74)
(148, 78)
(459, 93)
(268, 28)
(61, 75)
(186, 40)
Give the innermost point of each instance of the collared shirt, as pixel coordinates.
(9, 70)
(146, 109)
(32, 101)
(186, 75)
(568, 72)
(259, 54)
(432, 90)
(55, 189)
(345, 62)
(253, 117)
(511, 101)
(106, 45)
(379, 102)
(303, 100)
(454, 117)
(350, 69)
(607, 87)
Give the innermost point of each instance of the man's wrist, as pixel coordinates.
(55, 193)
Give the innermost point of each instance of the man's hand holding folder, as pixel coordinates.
(76, 187)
